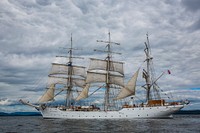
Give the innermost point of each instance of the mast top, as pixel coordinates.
(70, 51)
(109, 42)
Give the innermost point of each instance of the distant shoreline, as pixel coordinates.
(20, 114)
(181, 112)
(188, 112)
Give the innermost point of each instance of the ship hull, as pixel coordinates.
(125, 113)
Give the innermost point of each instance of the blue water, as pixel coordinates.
(36, 124)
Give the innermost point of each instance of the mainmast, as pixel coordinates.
(69, 82)
(108, 69)
(107, 75)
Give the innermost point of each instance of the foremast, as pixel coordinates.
(71, 69)
(67, 75)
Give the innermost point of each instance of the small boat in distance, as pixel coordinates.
(109, 75)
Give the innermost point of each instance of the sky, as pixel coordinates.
(33, 32)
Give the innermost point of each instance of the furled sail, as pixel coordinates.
(63, 80)
(84, 93)
(129, 89)
(49, 95)
(64, 68)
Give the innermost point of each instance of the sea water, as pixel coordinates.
(36, 124)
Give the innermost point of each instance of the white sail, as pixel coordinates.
(49, 95)
(79, 70)
(94, 77)
(78, 82)
(84, 93)
(97, 64)
(63, 80)
(63, 69)
(129, 89)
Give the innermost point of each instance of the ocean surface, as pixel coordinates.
(36, 124)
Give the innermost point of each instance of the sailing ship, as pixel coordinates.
(110, 74)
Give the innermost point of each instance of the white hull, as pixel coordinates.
(125, 113)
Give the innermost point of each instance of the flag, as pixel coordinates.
(169, 72)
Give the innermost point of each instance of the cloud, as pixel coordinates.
(6, 101)
(32, 32)
(195, 26)
(192, 5)
(8, 105)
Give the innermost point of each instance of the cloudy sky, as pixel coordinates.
(32, 32)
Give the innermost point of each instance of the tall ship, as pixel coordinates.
(105, 75)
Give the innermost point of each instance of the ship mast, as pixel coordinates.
(69, 82)
(148, 74)
(73, 71)
(65, 74)
(107, 76)
(108, 68)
